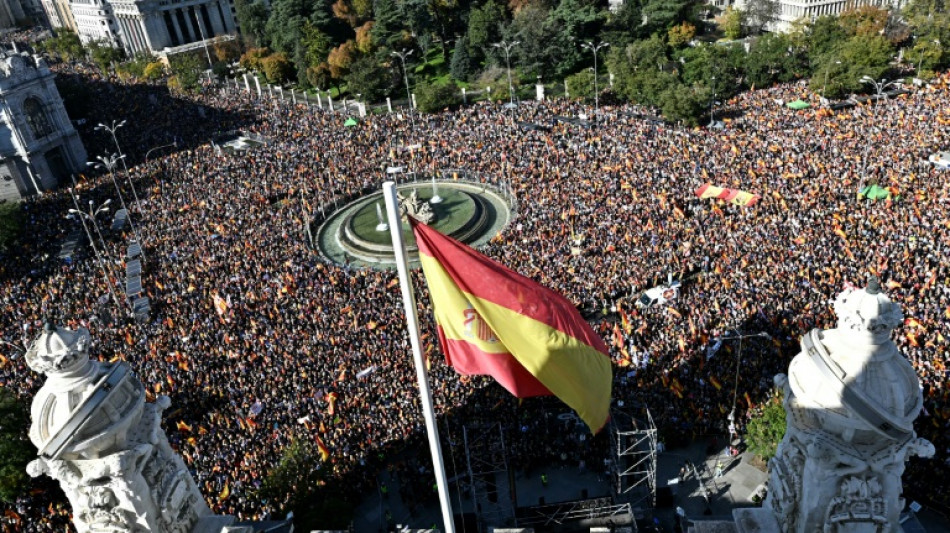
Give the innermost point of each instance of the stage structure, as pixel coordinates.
(492, 489)
(578, 514)
(633, 443)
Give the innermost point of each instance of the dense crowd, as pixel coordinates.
(278, 360)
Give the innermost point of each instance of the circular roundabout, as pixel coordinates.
(358, 233)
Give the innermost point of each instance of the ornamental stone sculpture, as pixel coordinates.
(98, 437)
(851, 400)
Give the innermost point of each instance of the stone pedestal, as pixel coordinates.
(98, 437)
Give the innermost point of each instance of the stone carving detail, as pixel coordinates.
(851, 400)
(104, 444)
(415, 208)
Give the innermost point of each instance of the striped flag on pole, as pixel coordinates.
(494, 321)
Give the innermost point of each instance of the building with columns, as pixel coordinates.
(152, 26)
(39, 147)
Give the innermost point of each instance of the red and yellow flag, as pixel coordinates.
(322, 448)
(494, 321)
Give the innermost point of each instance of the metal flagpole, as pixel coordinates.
(412, 323)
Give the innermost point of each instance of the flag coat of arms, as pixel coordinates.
(493, 321)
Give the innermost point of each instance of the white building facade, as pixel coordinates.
(152, 26)
(39, 148)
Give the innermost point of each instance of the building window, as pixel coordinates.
(36, 117)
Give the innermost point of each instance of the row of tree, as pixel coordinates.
(672, 54)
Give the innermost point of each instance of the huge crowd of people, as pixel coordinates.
(260, 342)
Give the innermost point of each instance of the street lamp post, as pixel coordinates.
(740, 337)
(589, 45)
(920, 61)
(115, 126)
(506, 46)
(149, 152)
(881, 86)
(83, 217)
(405, 74)
(110, 164)
(825, 84)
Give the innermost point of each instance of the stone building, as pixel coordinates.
(103, 442)
(39, 148)
(59, 14)
(151, 26)
(851, 399)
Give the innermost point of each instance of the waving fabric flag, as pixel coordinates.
(494, 321)
(733, 196)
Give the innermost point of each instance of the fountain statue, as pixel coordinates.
(415, 208)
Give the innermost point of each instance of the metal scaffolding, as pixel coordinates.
(633, 445)
(492, 487)
(596, 512)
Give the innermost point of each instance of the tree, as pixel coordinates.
(389, 29)
(435, 97)
(298, 480)
(766, 429)
(581, 85)
(462, 66)
(367, 77)
(681, 34)
(316, 44)
(276, 68)
(864, 55)
(658, 16)
(483, 27)
(154, 70)
(66, 45)
(535, 53)
(760, 14)
(625, 26)
(15, 448)
(732, 22)
(226, 51)
(340, 59)
(681, 103)
(825, 37)
(571, 22)
(11, 223)
(252, 19)
(864, 20)
(772, 59)
(186, 69)
(251, 60)
(104, 55)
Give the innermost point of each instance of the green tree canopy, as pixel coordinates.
(436, 97)
(187, 69)
(104, 55)
(15, 448)
(367, 77)
(252, 19)
(11, 223)
(767, 428)
(484, 28)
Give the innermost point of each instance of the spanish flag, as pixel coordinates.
(224, 493)
(322, 448)
(494, 321)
